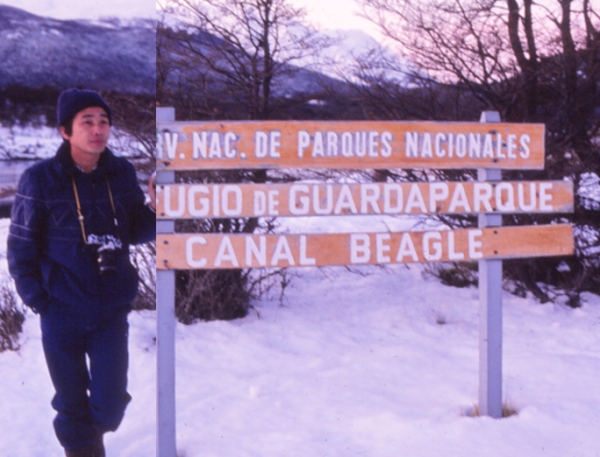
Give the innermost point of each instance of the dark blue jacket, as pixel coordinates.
(51, 265)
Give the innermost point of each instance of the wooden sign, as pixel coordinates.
(218, 251)
(302, 199)
(343, 145)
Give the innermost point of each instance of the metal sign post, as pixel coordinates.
(490, 309)
(165, 330)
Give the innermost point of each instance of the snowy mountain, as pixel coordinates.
(317, 85)
(182, 69)
(354, 52)
(104, 55)
(350, 56)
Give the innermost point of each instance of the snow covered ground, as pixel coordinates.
(28, 142)
(378, 364)
(21, 146)
(370, 362)
(41, 142)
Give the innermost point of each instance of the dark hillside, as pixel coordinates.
(110, 55)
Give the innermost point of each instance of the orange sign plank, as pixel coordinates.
(302, 199)
(344, 145)
(218, 251)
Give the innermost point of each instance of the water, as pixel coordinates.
(11, 170)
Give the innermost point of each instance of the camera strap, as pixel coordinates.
(80, 214)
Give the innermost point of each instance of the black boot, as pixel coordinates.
(96, 449)
(98, 446)
(84, 451)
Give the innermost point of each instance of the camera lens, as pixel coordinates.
(107, 260)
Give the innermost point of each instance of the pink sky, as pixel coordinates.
(335, 14)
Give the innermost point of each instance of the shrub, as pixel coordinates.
(224, 294)
(11, 319)
(455, 274)
(143, 258)
(508, 410)
(211, 295)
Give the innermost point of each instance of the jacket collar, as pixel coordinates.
(105, 166)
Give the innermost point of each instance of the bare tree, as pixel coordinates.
(532, 62)
(228, 59)
(243, 46)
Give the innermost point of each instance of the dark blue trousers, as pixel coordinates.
(88, 363)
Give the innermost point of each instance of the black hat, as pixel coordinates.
(71, 101)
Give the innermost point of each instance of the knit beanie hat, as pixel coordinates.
(71, 101)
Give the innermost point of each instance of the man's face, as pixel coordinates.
(91, 129)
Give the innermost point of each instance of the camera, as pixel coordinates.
(107, 250)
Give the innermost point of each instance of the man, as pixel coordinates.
(73, 219)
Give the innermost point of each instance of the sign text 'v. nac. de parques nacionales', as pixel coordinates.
(343, 145)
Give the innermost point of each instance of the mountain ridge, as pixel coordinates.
(108, 54)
